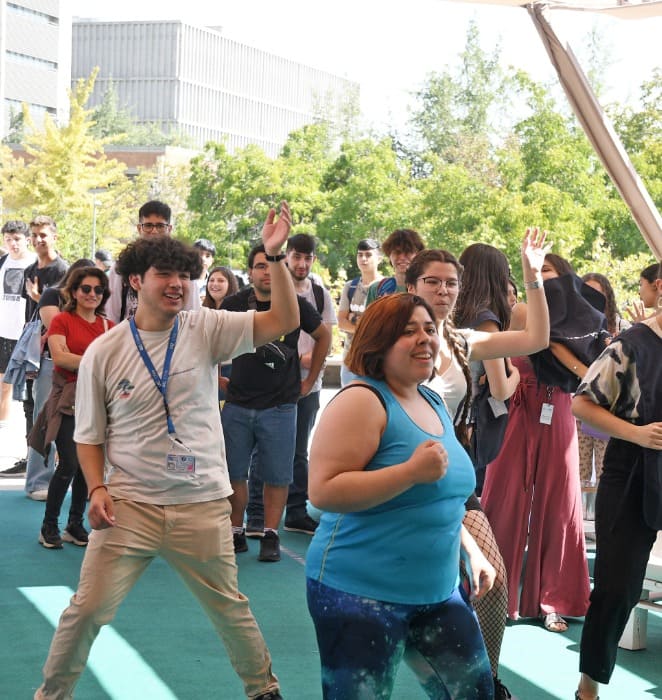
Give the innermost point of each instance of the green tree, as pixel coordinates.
(16, 130)
(304, 157)
(459, 111)
(369, 193)
(118, 126)
(63, 165)
(230, 196)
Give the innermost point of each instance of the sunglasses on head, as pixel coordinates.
(87, 288)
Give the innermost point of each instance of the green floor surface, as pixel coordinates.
(172, 640)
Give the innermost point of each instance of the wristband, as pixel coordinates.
(275, 258)
(536, 284)
(100, 486)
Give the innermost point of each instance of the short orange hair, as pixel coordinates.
(380, 326)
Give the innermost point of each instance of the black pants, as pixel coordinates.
(624, 542)
(68, 470)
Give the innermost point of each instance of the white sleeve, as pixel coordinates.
(114, 303)
(329, 310)
(193, 302)
(230, 333)
(91, 412)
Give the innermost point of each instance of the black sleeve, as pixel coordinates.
(28, 273)
(235, 302)
(310, 319)
(50, 297)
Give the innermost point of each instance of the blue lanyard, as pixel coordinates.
(160, 381)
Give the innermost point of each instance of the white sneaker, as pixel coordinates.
(40, 495)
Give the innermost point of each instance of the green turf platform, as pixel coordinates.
(162, 647)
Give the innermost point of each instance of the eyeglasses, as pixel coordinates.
(159, 228)
(261, 266)
(87, 288)
(433, 284)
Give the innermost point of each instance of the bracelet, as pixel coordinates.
(275, 258)
(536, 284)
(96, 488)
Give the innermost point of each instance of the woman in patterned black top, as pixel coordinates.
(620, 396)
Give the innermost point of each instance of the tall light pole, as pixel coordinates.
(94, 191)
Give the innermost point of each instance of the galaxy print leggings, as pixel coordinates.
(362, 641)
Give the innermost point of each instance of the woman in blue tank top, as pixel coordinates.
(392, 479)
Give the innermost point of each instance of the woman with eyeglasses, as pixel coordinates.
(70, 333)
(437, 276)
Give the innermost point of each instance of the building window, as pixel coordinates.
(23, 58)
(34, 15)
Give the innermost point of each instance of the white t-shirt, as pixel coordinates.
(12, 304)
(451, 385)
(117, 403)
(306, 342)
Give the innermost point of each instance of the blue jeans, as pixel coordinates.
(307, 408)
(39, 471)
(362, 641)
(270, 431)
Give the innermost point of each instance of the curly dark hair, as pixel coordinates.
(404, 239)
(75, 279)
(160, 252)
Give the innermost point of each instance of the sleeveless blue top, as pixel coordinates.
(406, 550)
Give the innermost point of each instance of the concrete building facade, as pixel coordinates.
(198, 83)
(35, 59)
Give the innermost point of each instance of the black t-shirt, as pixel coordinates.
(268, 377)
(47, 276)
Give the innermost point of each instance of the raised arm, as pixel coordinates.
(535, 335)
(283, 316)
(502, 384)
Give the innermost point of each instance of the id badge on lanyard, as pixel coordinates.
(180, 459)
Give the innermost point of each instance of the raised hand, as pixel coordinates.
(534, 250)
(637, 311)
(275, 232)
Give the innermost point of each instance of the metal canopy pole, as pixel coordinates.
(600, 131)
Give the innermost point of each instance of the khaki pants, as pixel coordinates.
(196, 540)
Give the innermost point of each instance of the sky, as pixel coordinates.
(390, 46)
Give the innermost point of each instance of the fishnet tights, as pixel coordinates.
(492, 608)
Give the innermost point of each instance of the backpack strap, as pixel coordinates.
(352, 288)
(318, 292)
(3, 259)
(388, 285)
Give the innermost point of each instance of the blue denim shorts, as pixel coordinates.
(271, 430)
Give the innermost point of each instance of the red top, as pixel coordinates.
(78, 332)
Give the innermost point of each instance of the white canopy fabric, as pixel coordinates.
(623, 9)
(584, 103)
